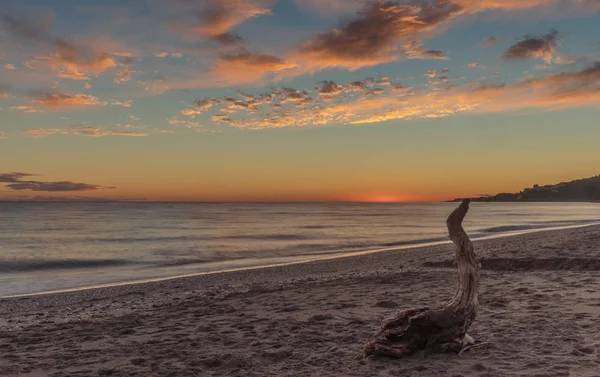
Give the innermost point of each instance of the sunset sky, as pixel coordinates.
(296, 100)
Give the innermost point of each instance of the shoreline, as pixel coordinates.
(539, 315)
(407, 248)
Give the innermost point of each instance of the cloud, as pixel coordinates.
(120, 103)
(229, 39)
(247, 67)
(490, 41)
(328, 7)
(86, 131)
(14, 181)
(546, 93)
(200, 106)
(414, 50)
(53, 186)
(329, 90)
(73, 74)
(204, 104)
(218, 17)
(13, 177)
(26, 109)
(73, 58)
(189, 124)
(123, 76)
(164, 55)
(372, 37)
(62, 100)
(532, 47)
(69, 57)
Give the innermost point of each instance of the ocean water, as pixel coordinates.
(55, 246)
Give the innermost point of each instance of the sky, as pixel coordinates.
(296, 100)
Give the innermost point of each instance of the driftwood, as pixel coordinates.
(442, 330)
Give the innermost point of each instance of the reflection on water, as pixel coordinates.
(47, 246)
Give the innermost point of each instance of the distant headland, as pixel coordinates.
(580, 190)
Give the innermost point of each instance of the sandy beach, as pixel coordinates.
(539, 316)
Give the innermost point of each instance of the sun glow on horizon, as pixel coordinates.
(388, 198)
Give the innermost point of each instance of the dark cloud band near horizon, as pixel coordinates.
(14, 181)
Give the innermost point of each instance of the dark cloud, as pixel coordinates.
(13, 177)
(229, 39)
(414, 49)
(329, 90)
(53, 186)
(14, 181)
(532, 47)
(371, 38)
(27, 29)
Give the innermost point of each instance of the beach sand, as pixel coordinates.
(539, 316)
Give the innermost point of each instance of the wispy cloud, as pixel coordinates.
(245, 67)
(61, 100)
(490, 41)
(82, 130)
(16, 182)
(217, 18)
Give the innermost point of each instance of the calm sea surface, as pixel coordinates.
(52, 246)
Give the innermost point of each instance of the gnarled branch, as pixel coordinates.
(442, 329)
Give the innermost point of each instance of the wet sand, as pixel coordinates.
(539, 316)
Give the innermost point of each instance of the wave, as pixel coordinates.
(66, 264)
(413, 242)
(535, 225)
(266, 237)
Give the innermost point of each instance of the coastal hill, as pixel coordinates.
(580, 190)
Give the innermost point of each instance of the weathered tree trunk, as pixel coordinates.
(442, 329)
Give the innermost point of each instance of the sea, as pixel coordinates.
(57, 246)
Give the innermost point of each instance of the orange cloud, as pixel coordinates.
(74, 58)
(86, 131)
(372, 105)
(60, 100)
(218, 17)
(246, 67)
(73, 74)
